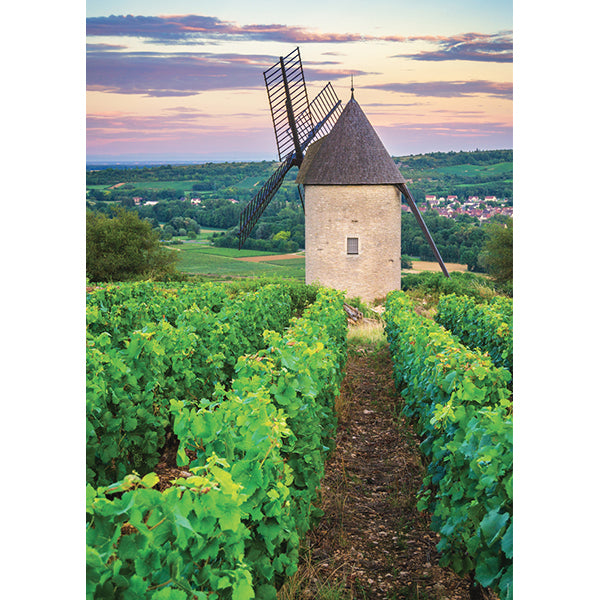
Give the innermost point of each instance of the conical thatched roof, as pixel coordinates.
(352, 154)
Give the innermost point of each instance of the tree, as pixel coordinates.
(497, 255)
(468, 257)
(281, 236)
(123, 248)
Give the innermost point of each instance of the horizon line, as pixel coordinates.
(95, 159)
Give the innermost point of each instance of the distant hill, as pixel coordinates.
(463, 174)
(477, 173)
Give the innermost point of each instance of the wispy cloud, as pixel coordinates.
(496, 47)
(177, 74)
(177, 131)
(454, 127)
(169, 119)
(194, 29)
(108, 124)
(104, 47)
(159, 74)
(449, 89)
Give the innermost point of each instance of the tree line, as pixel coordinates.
(281, 227)
(450, 159)
(207, 175)
(123, 246)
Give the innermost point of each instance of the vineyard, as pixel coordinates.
(211, 416)
(462, 406)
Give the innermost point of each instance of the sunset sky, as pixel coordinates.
(182, 80)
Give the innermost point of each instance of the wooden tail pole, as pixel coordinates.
(402, 187)
(290, 113)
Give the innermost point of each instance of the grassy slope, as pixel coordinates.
(202, 260)
(502, 168)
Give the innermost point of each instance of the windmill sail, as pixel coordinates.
(296, 123)
(255, 208)
(288, 101)
(325, 109)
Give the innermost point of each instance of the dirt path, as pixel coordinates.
(372, 542)
(421, 265)
(270, 257)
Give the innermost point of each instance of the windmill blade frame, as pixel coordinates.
(256, 207)
(323, 107)
(294, 126)
(288, 99)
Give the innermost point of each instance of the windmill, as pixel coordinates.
(337, 151)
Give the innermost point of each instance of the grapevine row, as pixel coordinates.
(254, 454)
(462, 406)
(487, 326)
(132, 377)
(119, 309)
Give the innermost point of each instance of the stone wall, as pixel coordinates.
(370, 213)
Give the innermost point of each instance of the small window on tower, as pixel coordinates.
(352, 246)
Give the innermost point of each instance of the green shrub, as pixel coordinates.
(124, 247)
(461, 284)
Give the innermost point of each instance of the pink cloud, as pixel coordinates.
(449, 89)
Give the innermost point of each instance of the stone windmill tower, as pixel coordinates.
(350, 187)
(352, 209)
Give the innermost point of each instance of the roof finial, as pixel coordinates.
(352, 85)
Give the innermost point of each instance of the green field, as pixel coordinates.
(179, 186)
(501, 168)
(227, 252)
(467, 186)
(198, 259)
(251, 183)
(211, 229)
(203, 239)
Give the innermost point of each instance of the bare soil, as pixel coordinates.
(270, 257)
(422, 265)
(372, 541)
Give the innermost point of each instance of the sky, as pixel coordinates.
(183, 80)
